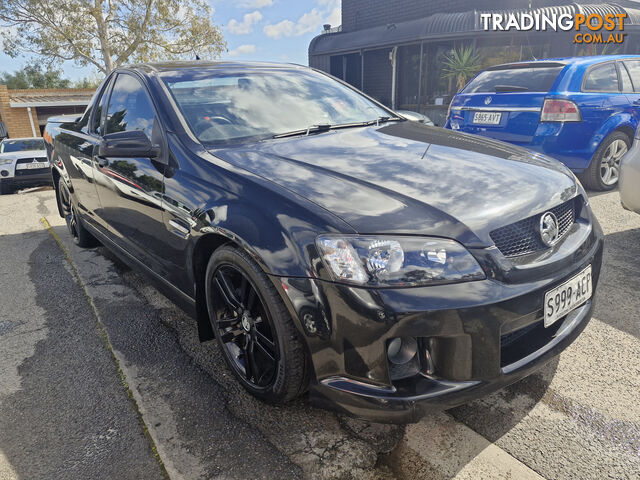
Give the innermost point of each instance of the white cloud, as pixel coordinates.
(242, 50)
(329, 12)
(255, 3)
(244, 27)
(335, 17)
(285, 28)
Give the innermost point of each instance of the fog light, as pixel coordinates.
(402, 350)
(4, 173)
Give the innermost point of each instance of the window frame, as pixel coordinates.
(636, 89)
(593, 67)
(622, 69)
(157, 121)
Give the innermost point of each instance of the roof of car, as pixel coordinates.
(221, 64)
(588, 60)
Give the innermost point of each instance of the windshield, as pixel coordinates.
(227, 107)
(21, 145)
(516, 79)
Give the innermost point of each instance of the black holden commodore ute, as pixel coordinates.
(385, 267)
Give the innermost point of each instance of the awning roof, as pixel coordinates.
(25, 98)
(440, 24)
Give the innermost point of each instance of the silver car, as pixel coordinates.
(630, 177)
(23, 163)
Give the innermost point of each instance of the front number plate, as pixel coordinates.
(567, 297)
(31, 166)
(487, 118)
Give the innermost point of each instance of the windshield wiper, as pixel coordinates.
(325, 127)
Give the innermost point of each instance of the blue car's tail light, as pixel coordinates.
(557, 110)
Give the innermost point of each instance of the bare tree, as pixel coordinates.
(109, 33)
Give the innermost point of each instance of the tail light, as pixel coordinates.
(555, 110)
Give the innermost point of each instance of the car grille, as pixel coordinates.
(31, 160)
(30, 172)
(523, 237)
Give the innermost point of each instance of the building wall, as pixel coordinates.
(17, 119)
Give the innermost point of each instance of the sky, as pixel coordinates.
(268, 30)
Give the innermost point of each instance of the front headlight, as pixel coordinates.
(397, 261)
(4, 161)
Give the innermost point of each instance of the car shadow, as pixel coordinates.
(618, 301)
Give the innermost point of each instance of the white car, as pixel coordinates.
(630, 177)
(23, 163)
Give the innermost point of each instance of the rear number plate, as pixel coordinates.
(487, 118)
(567, 297)
(31, 166)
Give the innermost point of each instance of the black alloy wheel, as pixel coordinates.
(245, 327)
(255, 331)
(80, 234)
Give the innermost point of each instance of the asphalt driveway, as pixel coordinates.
(102, 377)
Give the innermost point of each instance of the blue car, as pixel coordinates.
(583, 111)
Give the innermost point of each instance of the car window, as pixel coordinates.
(236, 106)
(625, 79)
(130, 107)
(538, 79)
(603, 78)
(8, 146)
(634, 69)
(97, 117)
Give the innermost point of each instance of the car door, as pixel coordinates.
(75, 147)
(130, 189)
(633, 93)
(601, 97)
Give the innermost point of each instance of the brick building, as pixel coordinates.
(24, 112)
(394, 50)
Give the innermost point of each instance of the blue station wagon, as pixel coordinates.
(582, 111)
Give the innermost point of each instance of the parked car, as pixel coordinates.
(23, 163)
(630, 177)
(582, 111)
(415, 117)
(386, 266)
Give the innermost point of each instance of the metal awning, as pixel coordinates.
(26, 99)
(440, 25)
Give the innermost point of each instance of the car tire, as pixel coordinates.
(81, 236)
(5, 188)
(604, 171)
(289, 377)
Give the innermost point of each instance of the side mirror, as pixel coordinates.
(134, 143)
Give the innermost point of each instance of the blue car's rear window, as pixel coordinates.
(514, 79)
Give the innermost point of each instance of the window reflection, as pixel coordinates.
(225, 107)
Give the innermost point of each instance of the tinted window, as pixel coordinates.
(603, 78)
(102, 102)
(21, 145)
(520, 79)
(634, 69)
(221, 107)
(625, 80)
(130, 107)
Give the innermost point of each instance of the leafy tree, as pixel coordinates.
(461, 64)
(109, 33)
(34, 76)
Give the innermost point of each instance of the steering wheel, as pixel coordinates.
(206, 123)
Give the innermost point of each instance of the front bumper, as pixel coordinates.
(465, 325)
(26, 178)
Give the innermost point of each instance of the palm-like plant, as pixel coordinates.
(461, 64)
